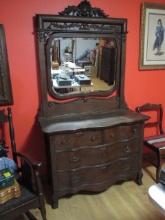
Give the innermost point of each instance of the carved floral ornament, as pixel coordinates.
(84, 9)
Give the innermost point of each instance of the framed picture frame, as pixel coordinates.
(152, 37)
(6, 97)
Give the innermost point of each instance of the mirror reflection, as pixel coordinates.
(83, 64)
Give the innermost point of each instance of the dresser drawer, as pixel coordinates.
(121, 149)
(120, 132)
(74, 140)
(66, 160)
(96, 174)
(90, 156)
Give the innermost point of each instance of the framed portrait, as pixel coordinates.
(152, 39)
(5, 83)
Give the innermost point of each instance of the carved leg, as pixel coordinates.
(158, 166)
(54, 201)
(30, 216)
(42, 208)
(43, 213)
(139, 178)
(157, 174)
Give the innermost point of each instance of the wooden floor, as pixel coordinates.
(126, 201)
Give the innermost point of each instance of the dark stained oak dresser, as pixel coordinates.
(93, 140)
(90, 155)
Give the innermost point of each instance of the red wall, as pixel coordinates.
(17, 18)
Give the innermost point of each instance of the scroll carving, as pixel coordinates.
(84, 9)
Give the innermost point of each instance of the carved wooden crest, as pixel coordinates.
(84, 9)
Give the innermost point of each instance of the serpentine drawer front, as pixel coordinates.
(91, 138)
(78, 139)
(93, 155)
(87, 177)
(94, 159)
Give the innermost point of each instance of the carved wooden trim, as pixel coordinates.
(82, 26)
(56, 26)
(84, 9)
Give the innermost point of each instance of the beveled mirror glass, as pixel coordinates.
(82, 64)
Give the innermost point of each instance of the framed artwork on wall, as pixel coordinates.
(5, 83)
(152, 39)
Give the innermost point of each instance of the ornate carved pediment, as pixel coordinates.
(84, 9)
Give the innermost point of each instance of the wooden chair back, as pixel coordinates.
(27, 175)
(157, 121)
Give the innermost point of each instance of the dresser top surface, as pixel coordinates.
(50, 125)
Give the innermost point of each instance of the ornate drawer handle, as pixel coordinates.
(93, 138)
(104, 167)
(75, 180)
(112, 135)
(103, 148)
(75, 159)
(127, 149)
(134, 130)
(63, 142)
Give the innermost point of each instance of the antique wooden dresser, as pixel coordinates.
(93, 140)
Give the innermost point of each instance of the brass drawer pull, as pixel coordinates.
(103, 148)
(75, 159)
(63, 142)
(134, 130)
(127, 149)
(75, 180)
(93, 138)
(104, 167)
(112, 135)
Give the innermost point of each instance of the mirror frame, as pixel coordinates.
(78, 94)
(78, 20)
(6, 97)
